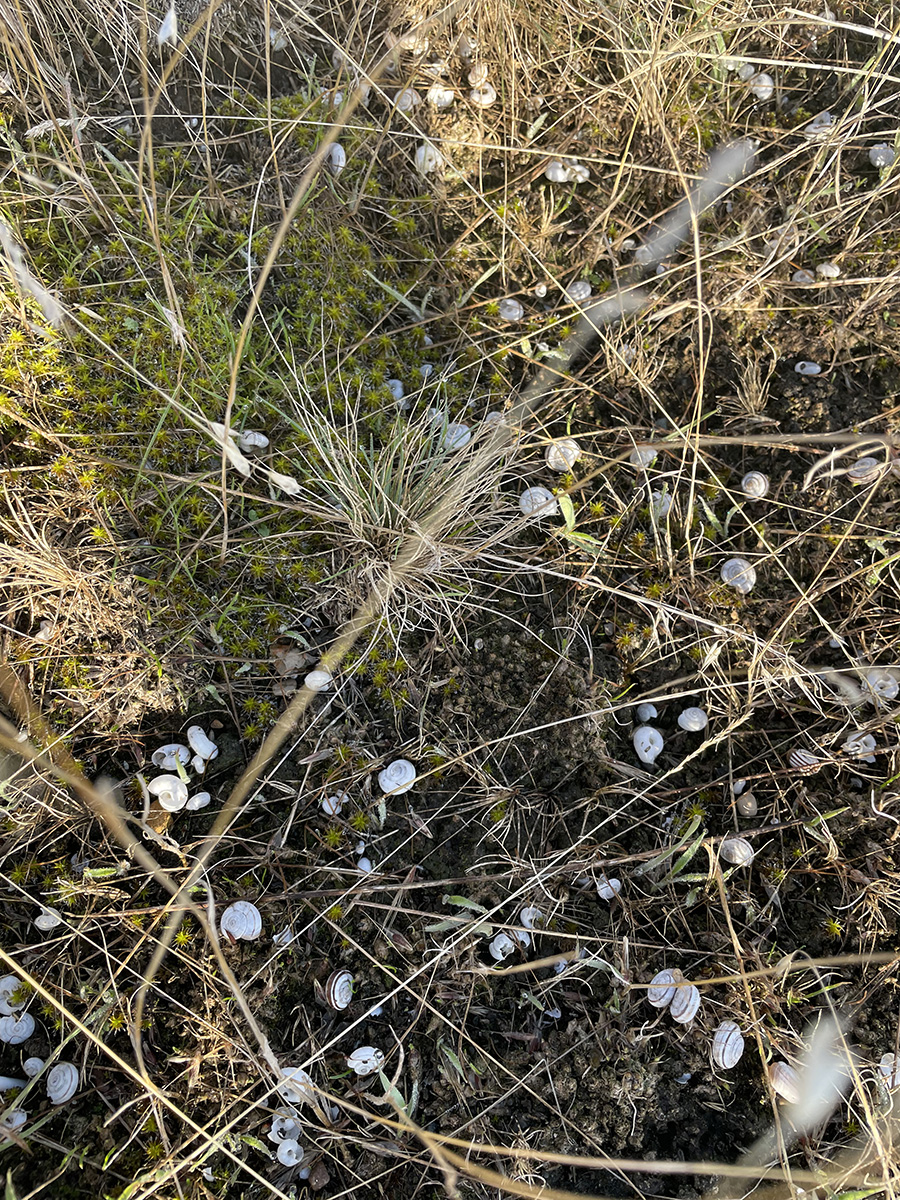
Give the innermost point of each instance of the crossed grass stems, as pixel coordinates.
(439, 544)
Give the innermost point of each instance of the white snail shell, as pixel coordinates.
(289, 1153)
(643, 457)
(538, 502)
(755, 485)
(170, 791)
(366, 1060)
(167, 757)
(7, 1083)
(501, 947)
(685, 1004)
(648, 743)
(337, 158)
(570, 171)
(319, 680)
(608, 889)
(9, 985)
(197, 801)
(428, 158)
(251, 440)
(296, 1087)
(439, 96)
(562, 454)
(785, 1081)
(882, 155)
(62, 1082)
(860, 745)
(882, 683)
(803, 276)
(579, 291)
(511, 309)
(242, 920)
(49, 919)
(531, 918)
(805, 761)
(727, 1045)
(339, 990)
(202, 745)
(478, 76)
(865, 470)
(331, 805)
(888, 1068)
(739, 574)
(747, 805)
(762, 86)
(828, 270)
(285, 1126)
(16, 1030)
(457, 435)
(737, 850)
(660, 505)
(483, 96)
(661, 991)
(407, 99)
(33, 1066)
(694, 720)
(397, 778)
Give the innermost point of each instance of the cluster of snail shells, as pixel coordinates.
(669, 989)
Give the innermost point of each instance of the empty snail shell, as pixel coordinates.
(331, 805)
(562, 454)
(531, 918)
(319, 680)
(608, 889)
(661, 991)
(483, 96)
(568, 171)
(397, 778)
(366, 1060)
(693, 719)
(296, 1087)
(407, 99)
(755, 485)
(860, 745)
(16, 1030)
(660, 505)
(727, 1045)
(439, 96)
(739, 574)
(865, 470)
(805, 761)
(9, 985)
(511, 309)
(501, 947)
(49, 919)
(579, 291)
(762, 85)
(285, 1126)
(737, 850)
(785, 1081)
(339, 989)
(241, 920)
(882, 155)
(252, 440)
(337, 158)
(167, 757)
(197, 801)
(62, 1082)
(538, 502)
(33, 1066)
(170, 791)
(888, 1069)
(747, 805)
(648, 743)
(685, 1004)
(646, 712)
(428, 158)
(882, 683)
(202, 745)
(289, 1153)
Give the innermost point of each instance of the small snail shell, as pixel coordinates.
(319, 680)
(285, 1126)
(739, 574)
(608, 889)
(397, 778)
(858, 745)
(755, 485)
(439, 96)
(648, 743)
(807, 368)
(562, 455)
(660, 505)
(395, 387)
(521, 937)
(478, 76)
(407, 99)
(167, 757)
(579, 291)
(16, 1030)
(197, 801)
(202, 745)
(9, 985)
(569, 171)
(337, 158)
(646, 712)
(643, 457)
(501, 947)
(882, 683)
(531, 918)
(747, 805)
(882, 155)
(457, 435)
(694, 720)
(289, 1153)
(538, 502)
(33, 1066)
(803, 276)
(785, 1081)
(296, 1087)
(252, 440)
(7, 1083)
(888, 1068)
(737, 850)
(828, 270)
(331, 805)
(661, 991)
(428, 158)
(49, 919)
(727, 1045)
(366, 1060)
(339, 990)
(762, 86)
(241, 920)
(170, 791)
(483, 96)
(805, 761)
(511, 309)
(685, 1004)
(62, 1082)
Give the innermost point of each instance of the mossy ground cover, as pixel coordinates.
(155, 290)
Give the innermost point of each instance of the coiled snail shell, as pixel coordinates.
(694, 720)
(562, 455)
(339, 990)
(241, 920)
(397, 778)
(865, 470)
(755, 485)
(805, 761)
(608, 889)
(785, 1081)
(62, 1082)
(737, 850)
(685, 1004)
(366, 1060)
(738, 574)
(661, 991)
(727, 1045)
(648, 743)
(16, 1030)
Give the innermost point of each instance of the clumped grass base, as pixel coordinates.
(148, 585)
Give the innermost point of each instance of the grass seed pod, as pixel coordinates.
(241, 920)
(661, 991)
(62, 1082)
(737, 850)
(785, 1081)
(727, 1045)
(755, 485)
(366, 1060)
(685, 1004)
(339, 989)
